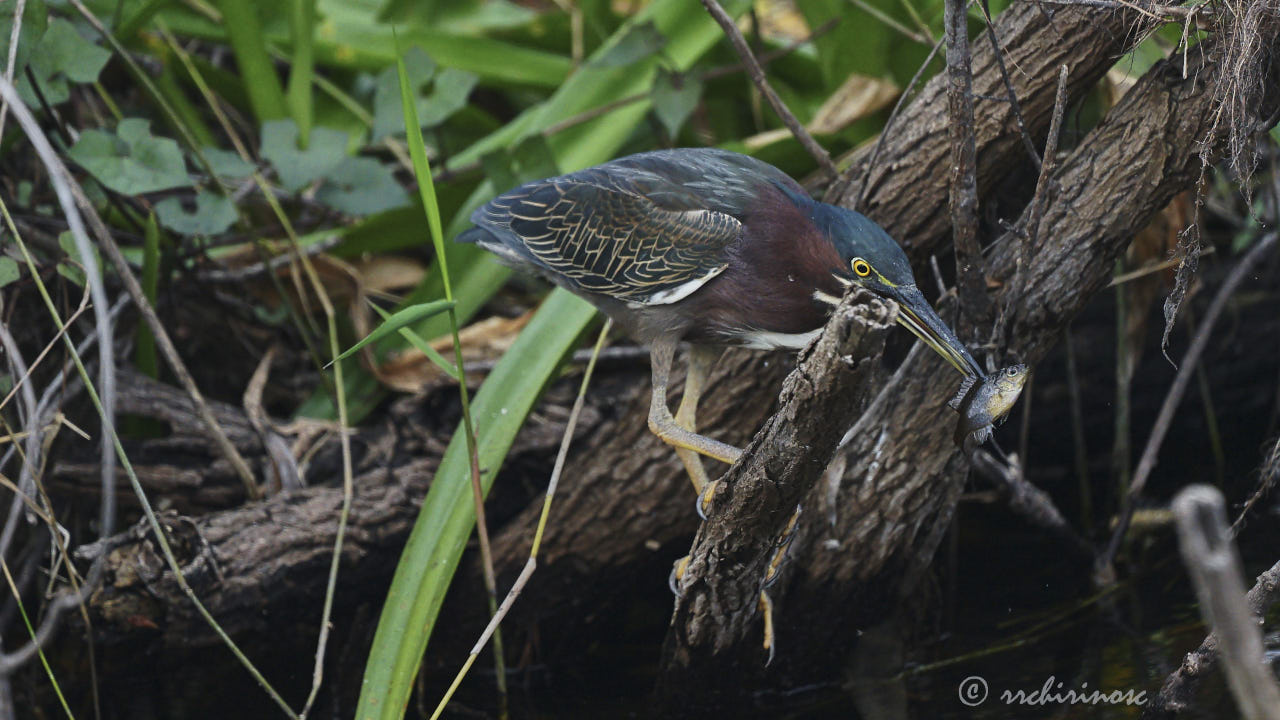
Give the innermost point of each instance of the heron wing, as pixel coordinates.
(631, 235)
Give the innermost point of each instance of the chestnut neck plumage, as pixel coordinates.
(783, 259)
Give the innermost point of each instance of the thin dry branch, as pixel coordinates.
(970, 278)
(758, 77)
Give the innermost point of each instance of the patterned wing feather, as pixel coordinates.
(602, 233)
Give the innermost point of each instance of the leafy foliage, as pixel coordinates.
(212, 215)
(132, 161)
(362, 186)
(296, 166)
(61, 57)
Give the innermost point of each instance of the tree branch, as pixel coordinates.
(756, 498)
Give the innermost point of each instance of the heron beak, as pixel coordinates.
(918, 316)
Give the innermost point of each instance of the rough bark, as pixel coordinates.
(754, 501)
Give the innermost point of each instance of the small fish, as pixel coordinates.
(982, 402)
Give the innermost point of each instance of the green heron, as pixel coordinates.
(711, 247)
(708, 246)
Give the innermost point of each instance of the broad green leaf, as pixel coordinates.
(674, 98)
(452, 87)
(212, 215)
(133, 161)
(62, 57)
(361, 186)
(228, 165)
(642, 40)
(398, 320)
(388, 117)
(296, 168)
(8, 270)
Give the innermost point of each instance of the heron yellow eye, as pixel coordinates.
(861, 267)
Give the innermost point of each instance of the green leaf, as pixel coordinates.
(132, 161)
(62, 56)
(362, 186)
(213, 214)
(296, 168)
(398, 320)
(674, 98)
(227, 165)
(450, 89)
(8, 270)
(641, 41)
(388, 116)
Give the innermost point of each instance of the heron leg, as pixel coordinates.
(664, 426)
(701, 360)
(771, 572)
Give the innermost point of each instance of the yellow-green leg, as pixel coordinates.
(771, 575)
(700, 363)
(665, 427)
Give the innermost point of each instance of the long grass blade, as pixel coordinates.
(244, 32)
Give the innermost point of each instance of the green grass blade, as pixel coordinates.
(244, 32)
(407, 316)
(445, 522)
(350, 38)
(302, 21)
(144, 354)
(424, 347)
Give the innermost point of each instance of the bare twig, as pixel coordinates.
(970, 277)
(1008, 86)
(1038, 200)
(883, 17)
(1268, 474)
(1174, 397)
(757, 76)
(837, 188)
(15, 34)
(1215, 570)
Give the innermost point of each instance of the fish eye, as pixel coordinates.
(861, 267)
(1012, 372)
